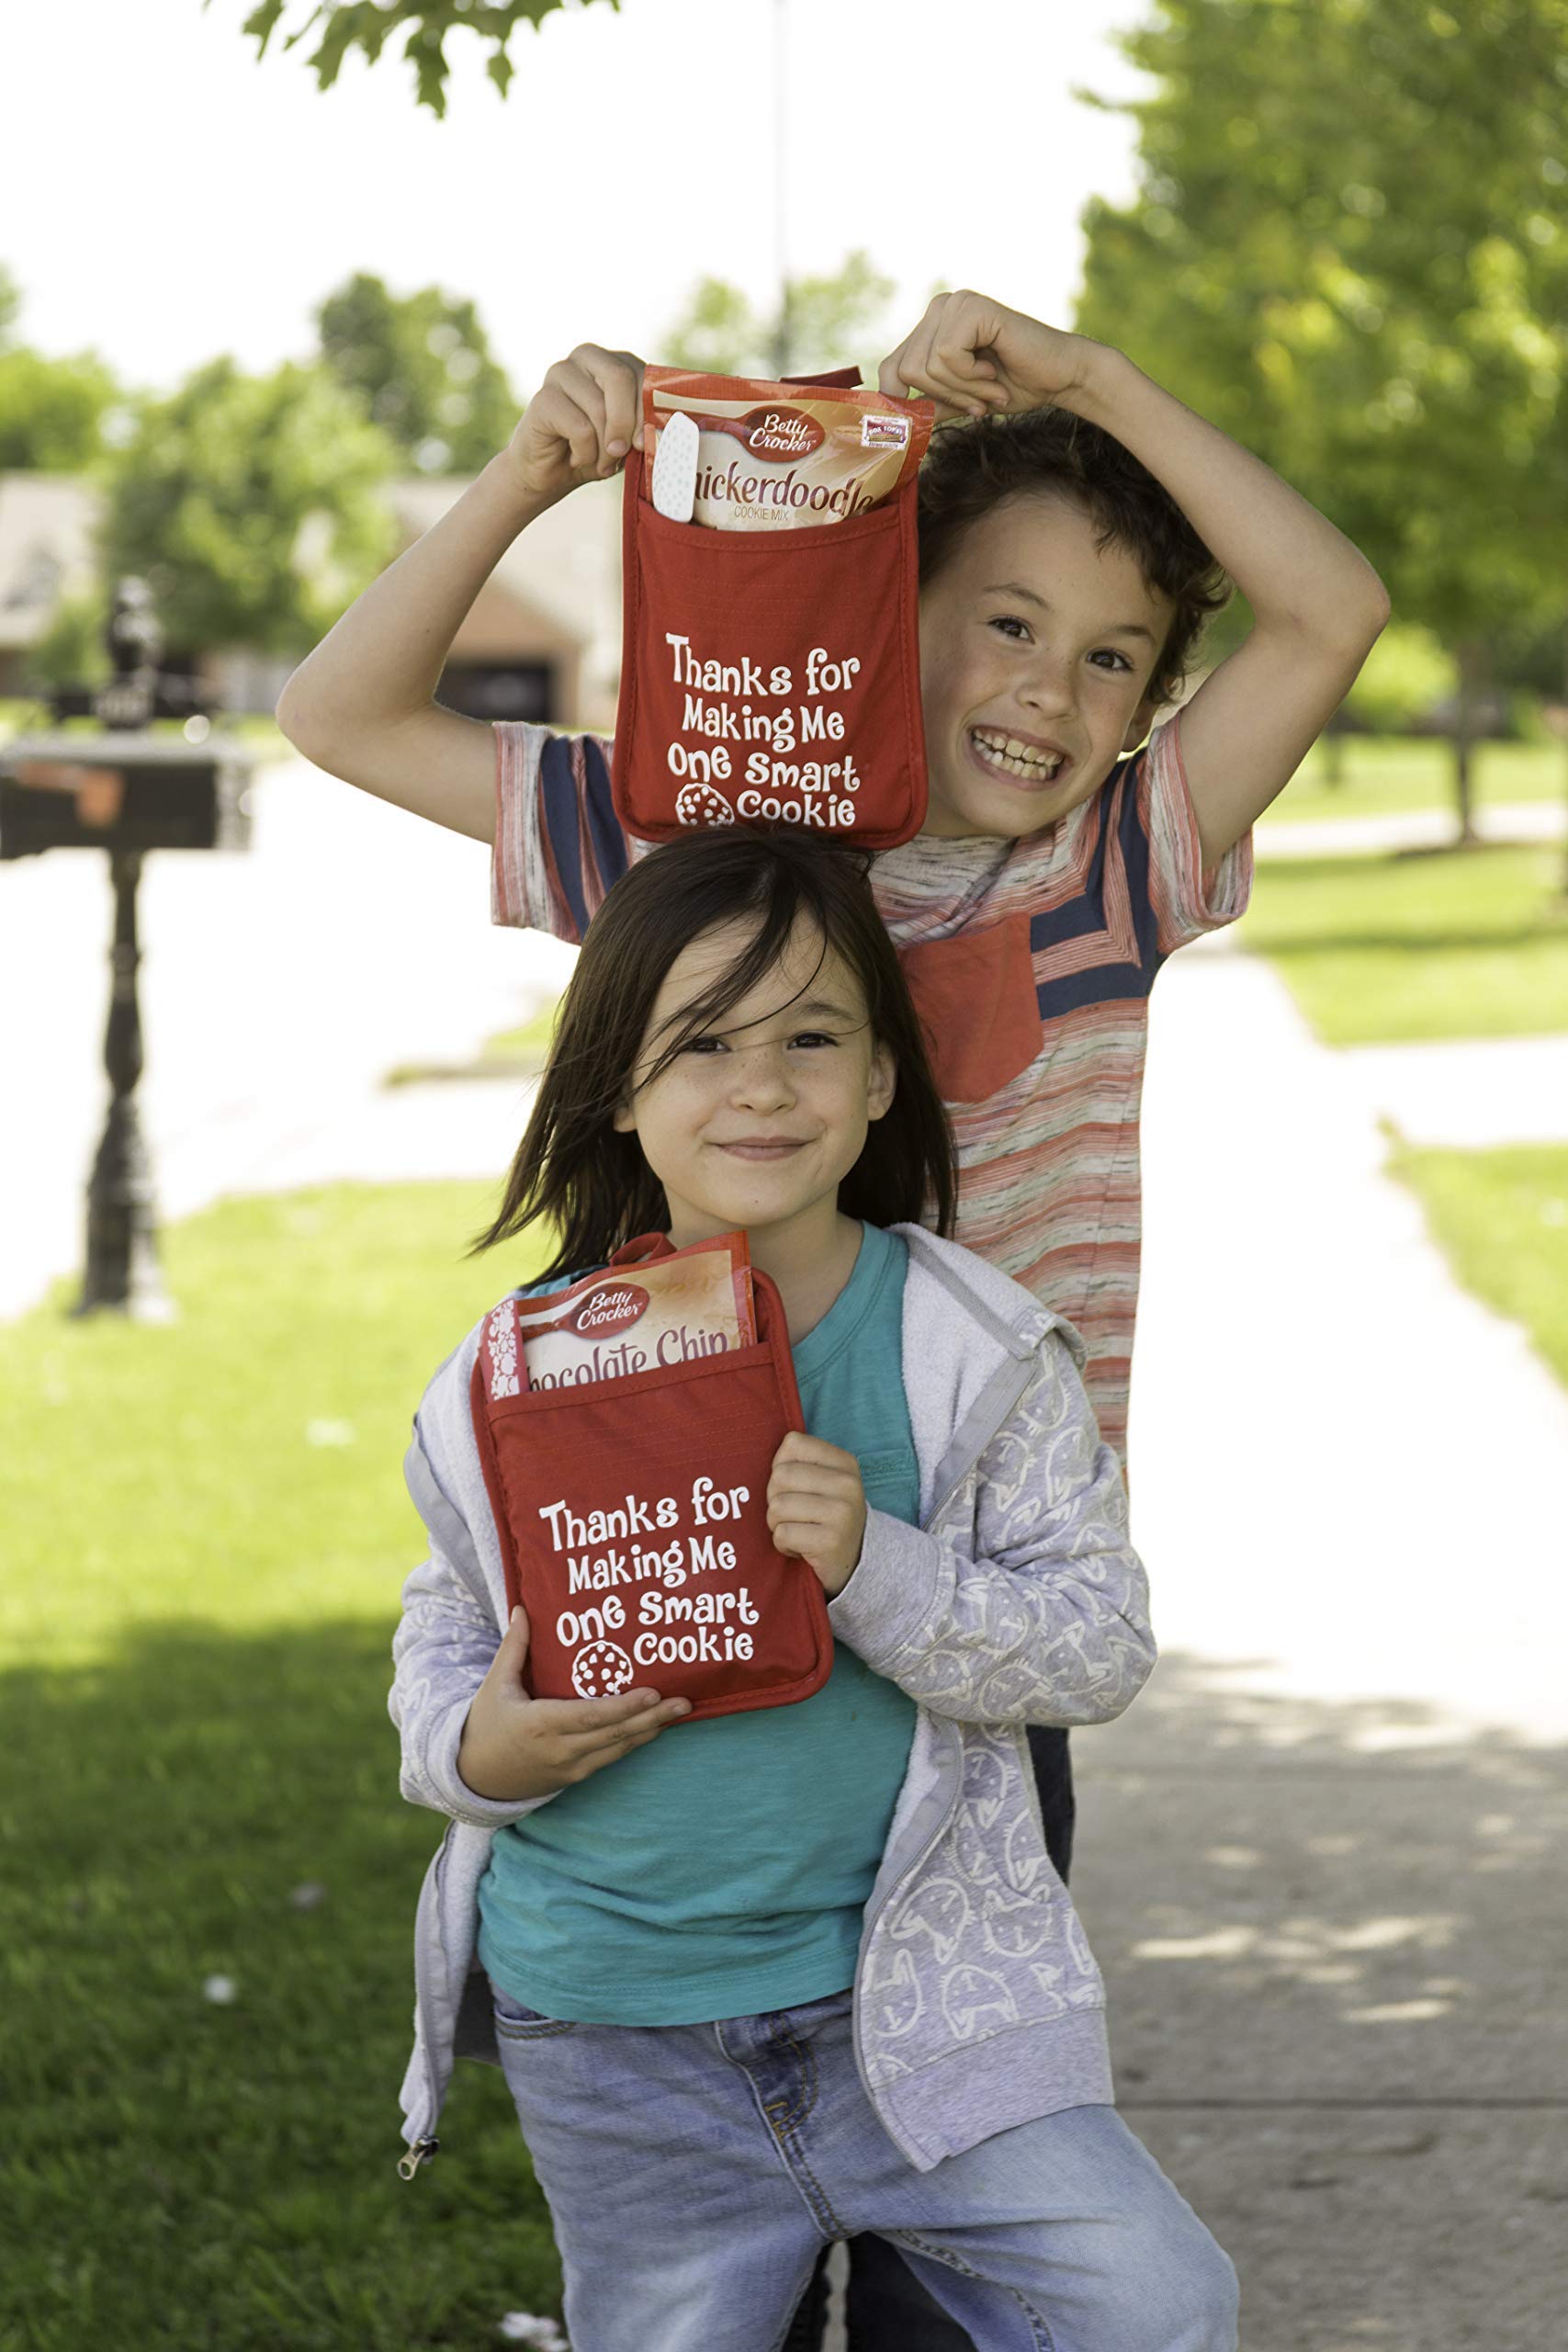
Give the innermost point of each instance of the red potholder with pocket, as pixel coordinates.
(771, 674)
(632, 1515)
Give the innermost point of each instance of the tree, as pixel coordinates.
(252, 505)
(821, 322)
(52, 411)
(1350, 247)
(367, 26)
(420, 365)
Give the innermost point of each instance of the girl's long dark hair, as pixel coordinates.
(592, 1183)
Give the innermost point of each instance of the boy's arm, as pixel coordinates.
(1049, 1623)
(1317, 603)
(362, 706)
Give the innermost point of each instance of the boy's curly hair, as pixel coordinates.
(974, 465)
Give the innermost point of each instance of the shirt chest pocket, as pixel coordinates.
(976, 997)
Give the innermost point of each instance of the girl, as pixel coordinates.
(779, 1977)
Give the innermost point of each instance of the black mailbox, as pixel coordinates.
(121, 793)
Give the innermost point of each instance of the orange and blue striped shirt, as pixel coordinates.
(1030, 962)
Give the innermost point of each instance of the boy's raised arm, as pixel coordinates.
(1317, 603)
(362, 706)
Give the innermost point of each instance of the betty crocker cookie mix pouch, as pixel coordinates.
(773, 457)
(770, 660)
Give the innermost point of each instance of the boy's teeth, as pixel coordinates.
(1018, 759)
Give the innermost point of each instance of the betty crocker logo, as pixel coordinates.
(614, 1308)
(780, 433)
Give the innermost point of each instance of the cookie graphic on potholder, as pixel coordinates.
(700, 804)
(602, 1671)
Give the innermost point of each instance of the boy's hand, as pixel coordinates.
(514, 1746)
(579, 424)
(976, 357)
(817, 1508)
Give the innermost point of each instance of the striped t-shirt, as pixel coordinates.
(1031, 962)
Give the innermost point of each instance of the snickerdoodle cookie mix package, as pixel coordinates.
(770, 578)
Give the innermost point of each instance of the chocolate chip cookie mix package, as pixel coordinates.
(610, 1325)
(778, 456)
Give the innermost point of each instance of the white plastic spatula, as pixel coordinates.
(675, 468)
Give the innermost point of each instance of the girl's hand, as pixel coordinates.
(817, 1508)
(976, 357)
(515, 1747)
(579, 424)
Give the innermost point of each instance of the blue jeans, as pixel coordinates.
(695, 2173)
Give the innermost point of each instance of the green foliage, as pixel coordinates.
(52, 411)
(206, 1535)
(366, 26)
(72, 650)
(825, 323)
(420, 365)
(252, 505)
(1382, 950)
(1406, 674)
(1350, 249)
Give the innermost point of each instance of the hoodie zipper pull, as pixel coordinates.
(420, 2153)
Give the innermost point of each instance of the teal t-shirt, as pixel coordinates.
(723, 1869)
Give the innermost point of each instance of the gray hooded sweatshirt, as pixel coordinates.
(1017, 1600)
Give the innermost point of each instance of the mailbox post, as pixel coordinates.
(127, 791)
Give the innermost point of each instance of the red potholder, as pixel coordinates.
(771, 674)
(632, 1515)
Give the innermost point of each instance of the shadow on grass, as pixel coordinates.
(181, 2173)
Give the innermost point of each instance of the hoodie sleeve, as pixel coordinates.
(1049, 1622)
(441, 1653)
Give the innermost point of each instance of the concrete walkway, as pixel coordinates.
(277, 988)
(1348, 836)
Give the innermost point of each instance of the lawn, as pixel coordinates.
(1387, 774)
(1464, 943)
(1502, 1218)
(205, 1535)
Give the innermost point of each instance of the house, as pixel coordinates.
(47, 522)
(542, 641)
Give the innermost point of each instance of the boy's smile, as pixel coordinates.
(1037, 650)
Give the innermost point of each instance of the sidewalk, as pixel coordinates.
(277, 988)
(1320, 1858)
(1506, 821)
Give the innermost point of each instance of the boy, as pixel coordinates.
(1071, 546)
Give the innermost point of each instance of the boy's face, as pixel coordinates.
(1033, 636)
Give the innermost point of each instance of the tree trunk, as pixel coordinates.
(1334, 753)
(1473, 679)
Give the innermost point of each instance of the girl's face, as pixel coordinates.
(757, 1121)
(1037, 649)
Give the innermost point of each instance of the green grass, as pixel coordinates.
(205, 1536)
(1502, 1218)
(1387, 775)
(1471, 944)
(531, 1043)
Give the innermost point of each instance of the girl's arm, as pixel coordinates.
(362, 706)
(1049, 1622)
